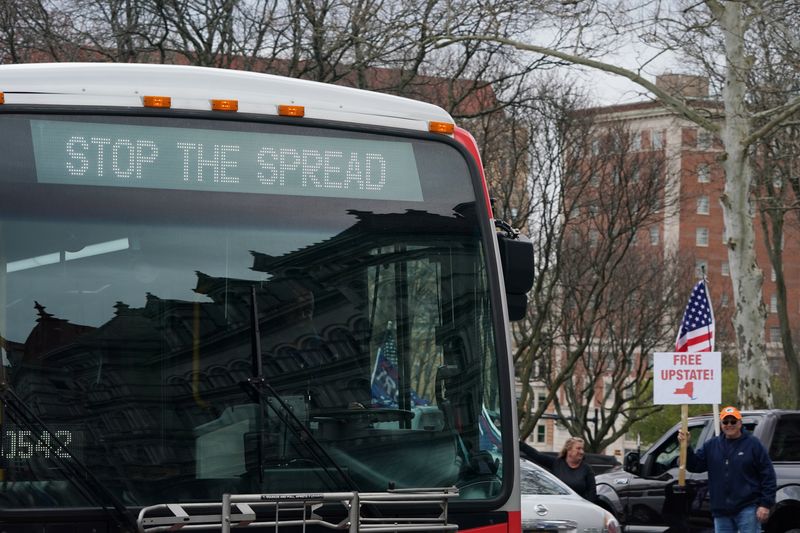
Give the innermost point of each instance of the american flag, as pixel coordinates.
(385, 382)
(697, 327)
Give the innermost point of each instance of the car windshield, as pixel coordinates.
(535, 480)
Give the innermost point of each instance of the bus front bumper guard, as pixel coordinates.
(240, 511)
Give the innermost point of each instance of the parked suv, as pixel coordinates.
(645, 495)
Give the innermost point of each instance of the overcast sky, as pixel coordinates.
(609, 89)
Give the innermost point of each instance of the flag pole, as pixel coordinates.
(696, 334)
(684, 445)
(685, 429)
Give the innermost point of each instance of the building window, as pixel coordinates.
(595, 146)
(608, 390)
(654, 235)
(541, 434)
(636, 140)
(635, 176)
(773, 303)
(701, 237)
(540, 398)
(700, 268)
(726, 269)
(655, 205)
(595, 179)
(657, 139)
(724, 300)
(594, 210)
(538, 365)
(774, 334)
(703, 174)
(594, 238)
(703, 140)
(773, 276)
(616, 142)
(702, 205)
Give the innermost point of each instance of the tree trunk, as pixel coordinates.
(738, 212)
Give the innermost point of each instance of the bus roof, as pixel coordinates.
(192, 88)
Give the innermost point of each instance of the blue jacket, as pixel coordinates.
(740, 473)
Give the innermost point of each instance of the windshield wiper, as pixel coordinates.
(78, 473)
(261, 391)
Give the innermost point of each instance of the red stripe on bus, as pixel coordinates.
(468, 141)
(514, 525)
(498, 528)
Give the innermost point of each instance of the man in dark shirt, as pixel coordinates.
(741, 478)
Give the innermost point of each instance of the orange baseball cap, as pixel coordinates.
(730, 411)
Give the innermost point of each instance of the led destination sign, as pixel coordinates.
(25, 444)
(116, 155)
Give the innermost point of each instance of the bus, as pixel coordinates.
(232, 300)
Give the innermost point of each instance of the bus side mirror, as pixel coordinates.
(516, 256)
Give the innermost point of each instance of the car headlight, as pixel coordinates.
(612, 526)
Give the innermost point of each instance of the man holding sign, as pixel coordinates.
(741, 477)
(692, 374)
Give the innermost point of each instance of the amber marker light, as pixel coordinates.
(225, 105)
(441, 127)
(2, 98)
(291, 110)
(163, 102)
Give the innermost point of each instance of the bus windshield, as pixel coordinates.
(196, 307)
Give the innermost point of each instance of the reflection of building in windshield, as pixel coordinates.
(136, 389)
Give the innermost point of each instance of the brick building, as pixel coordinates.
(692, 227)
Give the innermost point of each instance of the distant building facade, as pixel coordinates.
(692, 227)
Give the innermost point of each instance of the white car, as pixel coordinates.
(550, 506)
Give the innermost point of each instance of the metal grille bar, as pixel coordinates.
(238, 511)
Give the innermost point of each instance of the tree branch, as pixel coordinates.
(783, 112)
(666, 98)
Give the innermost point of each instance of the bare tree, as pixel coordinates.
(524, 157)
(37, 30)
(617, 297)
(610, 386)
(372, 44)
(12, 34)
(776, 165)
(203, 31)
(718, 35)
(117, 30)
(585, 198)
